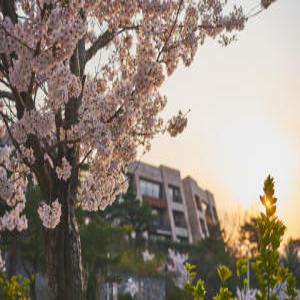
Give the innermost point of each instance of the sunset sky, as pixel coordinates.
(245, 115)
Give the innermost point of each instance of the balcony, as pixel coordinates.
(162, 226)
(155, 202)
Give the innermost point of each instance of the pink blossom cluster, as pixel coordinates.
(12, 186)
(64, 172)
(13, 219)
(35, 123)
(50, 214)
(177, 124)
(62, 85)
(97, 193)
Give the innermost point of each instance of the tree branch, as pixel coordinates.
(101, 42)
(7, 95)
(104, 39)
(171, 31)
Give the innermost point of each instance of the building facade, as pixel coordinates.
(183, 208)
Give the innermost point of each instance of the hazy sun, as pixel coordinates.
(252, 149)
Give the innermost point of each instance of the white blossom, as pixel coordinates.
(131, 287)
(50, 214)
(64, 172)
(176, 266)
(147, 256)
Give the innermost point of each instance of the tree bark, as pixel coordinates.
(64, 265)
(64, 262)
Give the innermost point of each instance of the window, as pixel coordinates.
(175, 194)
(159, 237)
(182, 239)
(198, 202)
(161, 220)
(203, 228)
(204, 206)
(215, 213)
(179, 219)
(150, 188)
(209, 217)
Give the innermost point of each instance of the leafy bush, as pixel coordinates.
(14, 288)
(126, 296)
(133, 262)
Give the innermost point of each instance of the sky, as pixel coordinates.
(245, 115)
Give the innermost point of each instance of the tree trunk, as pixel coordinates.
(64, 265)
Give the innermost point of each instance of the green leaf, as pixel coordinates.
(241, 266)
(224, 273)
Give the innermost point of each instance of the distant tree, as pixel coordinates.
(131, 211)
(208, 255)
(291, 258)
(249, 237)
(102, 247)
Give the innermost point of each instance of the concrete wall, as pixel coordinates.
(149, 288)
(192, 189)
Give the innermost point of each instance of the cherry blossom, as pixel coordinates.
(131, 287)
(176, 267)
(177, 124)
(13, 220)
(50, 214)
(147, 256)
(64, 172)
(12, 186)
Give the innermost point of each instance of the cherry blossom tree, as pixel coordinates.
(79, 85)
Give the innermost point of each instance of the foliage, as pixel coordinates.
(130, 211)
(249, 236)
(242, 267)
(270, 232)
(224, 273)
(270, 274)
(102, 247)
(213, 251)
(132, 261)
(197, 290)
(126, 296)
(34, 232)
(14, 288)
(291, 259)
(28, 247)
(173, 292)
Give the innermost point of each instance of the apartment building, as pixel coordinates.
(183, 208)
